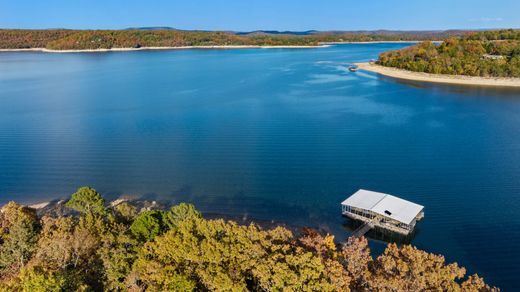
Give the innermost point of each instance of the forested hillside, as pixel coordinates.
(25, 39)
(486, 54)
(121, 248)
(134, 38)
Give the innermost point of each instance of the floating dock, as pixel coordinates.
(382, 211)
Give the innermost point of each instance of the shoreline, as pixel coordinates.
(440, 78)
(38, 206)
(372, 42)
(48, 207)
(226, 47)
(45, 50)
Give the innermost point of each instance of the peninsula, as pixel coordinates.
(439, 78)
(490, 58)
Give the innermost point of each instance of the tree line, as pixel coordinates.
(121, 248)
(485, 54)
(61, 39)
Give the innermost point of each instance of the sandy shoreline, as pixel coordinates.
(161, 48)
(38, 206)
(439, 78)
(47, 206)
(372, 42)
(321, 45)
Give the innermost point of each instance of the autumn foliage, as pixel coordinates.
(485, 54)
(120, 248)
(62, 39)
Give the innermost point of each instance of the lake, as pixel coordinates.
(269, 134)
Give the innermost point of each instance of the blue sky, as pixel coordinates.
(244, 15)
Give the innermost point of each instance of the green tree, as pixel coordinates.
(148, 225)
(32, 280)
(118, 253)
(19, 228)
(180, 213)
(219, 255)
(125, 212)
(87, 200)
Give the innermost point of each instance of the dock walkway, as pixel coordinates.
(363, 229)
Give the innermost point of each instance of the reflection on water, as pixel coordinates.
(268, 135)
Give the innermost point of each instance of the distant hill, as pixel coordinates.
(151, 28)
(421, 34)
(276, 32)
(255, 32)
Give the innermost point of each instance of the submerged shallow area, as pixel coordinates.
(282, 135)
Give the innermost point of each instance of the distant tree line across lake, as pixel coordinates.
(87, 245)
(62, 39)
(485, 54)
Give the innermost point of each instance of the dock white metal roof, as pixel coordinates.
(401, 210)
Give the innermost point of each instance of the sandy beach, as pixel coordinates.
(438, 78)
(373, 42)
(321, 45)
(38, 206)
(161, 48)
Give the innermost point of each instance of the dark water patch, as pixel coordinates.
(485, 254)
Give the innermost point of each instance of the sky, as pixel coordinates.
(248, 15)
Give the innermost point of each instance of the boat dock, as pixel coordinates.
(382, 211)
(366, 227)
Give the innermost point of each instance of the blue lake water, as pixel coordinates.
(277, 134)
